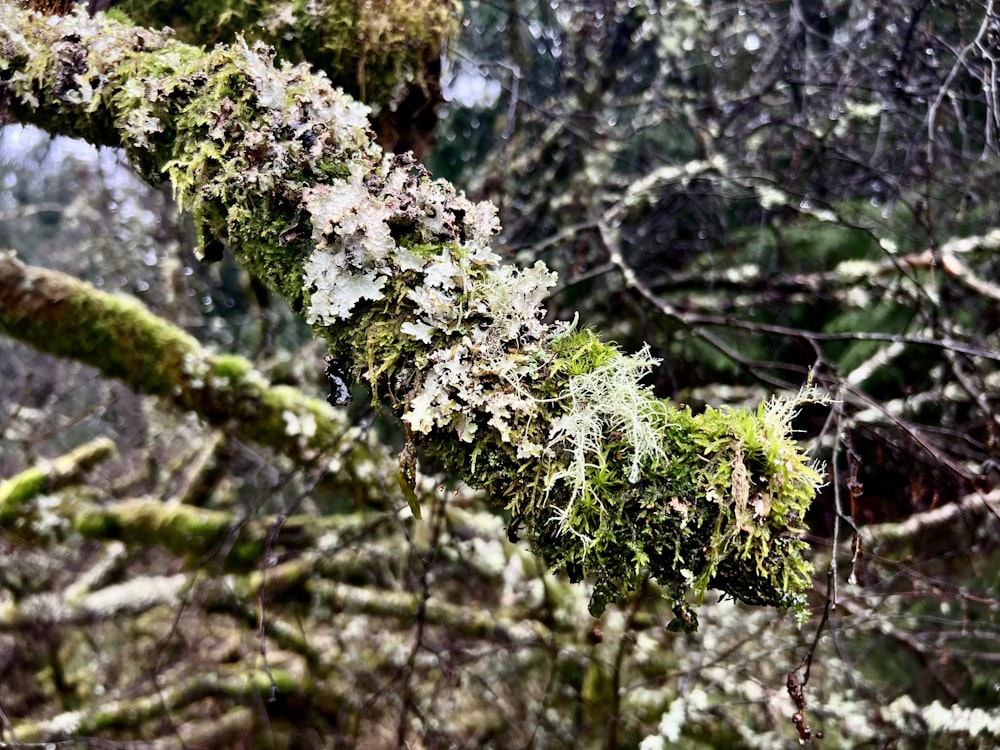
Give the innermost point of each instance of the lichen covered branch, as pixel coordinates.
(395, 270)
(131, 711)
(387, 54)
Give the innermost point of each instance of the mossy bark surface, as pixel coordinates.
(61, 315)
(18, 492)
(373, 50)
(395, 271)
(386, 54)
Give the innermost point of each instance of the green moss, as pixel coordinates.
(180, 528)
(271, 409)
(367, 48)
(328, 169)
(576, 353)
(230, 366)
(18, 490)
(427, 250)
(724, 511)
(267, 683)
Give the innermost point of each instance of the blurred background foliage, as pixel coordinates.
(765, 192)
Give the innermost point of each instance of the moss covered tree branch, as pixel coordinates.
(943, 525)
(49, 476)
(58, 314)
(386, 54)
(371, 49)
(227, 682)
(184, 530)
(395, 271)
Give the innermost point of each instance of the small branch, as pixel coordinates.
(945, 88)
(139, 595)
(625, 643)
(50, 476)
(970, 510)
(132, 712)
(399, 605)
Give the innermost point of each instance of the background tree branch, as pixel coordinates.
(58, 314)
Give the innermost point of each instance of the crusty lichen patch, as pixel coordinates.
(395, 270)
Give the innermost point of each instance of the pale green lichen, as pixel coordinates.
(135, 595)
(609, 400)
(299, 424)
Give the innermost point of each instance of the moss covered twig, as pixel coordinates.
(233, 682)
(405, 606)
(50, 476)
(60, 315)
(188, 531)
(139, 595)
(944, 523)
(198, 533)
(220, 731)
(395, 271)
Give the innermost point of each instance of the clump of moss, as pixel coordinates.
(636, 485)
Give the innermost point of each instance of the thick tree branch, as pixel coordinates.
(395, 271)
(371, 49)
(387, 54)
(61, 315)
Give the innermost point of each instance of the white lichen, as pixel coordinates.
(64, 724)
(419, 330)
(136, 595)
(608, 400)
(335, 294)
(140, 125)
(299, 424)
(196, 368)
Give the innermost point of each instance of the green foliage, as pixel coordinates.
(18, 490)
